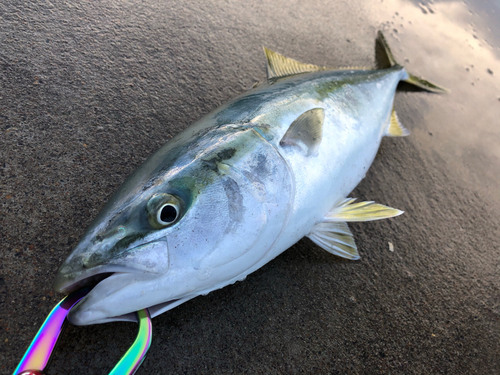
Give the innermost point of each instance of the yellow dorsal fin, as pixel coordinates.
(395, 129)
(279, 66)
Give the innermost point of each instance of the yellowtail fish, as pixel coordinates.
(239, 187)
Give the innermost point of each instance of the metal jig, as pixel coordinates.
(38, 354)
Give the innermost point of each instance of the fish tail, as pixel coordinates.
(409, 78)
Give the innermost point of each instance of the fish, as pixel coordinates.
(239, 187)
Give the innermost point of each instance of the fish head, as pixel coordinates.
(192, 219)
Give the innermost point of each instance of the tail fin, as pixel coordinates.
(413, 80)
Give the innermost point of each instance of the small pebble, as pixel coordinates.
(391, 247)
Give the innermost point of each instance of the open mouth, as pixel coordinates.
(116, 275)
(90, 282)
(148, 258)
(69, 282)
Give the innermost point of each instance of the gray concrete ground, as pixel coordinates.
(88, 89)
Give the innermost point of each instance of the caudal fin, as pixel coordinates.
(412, 79)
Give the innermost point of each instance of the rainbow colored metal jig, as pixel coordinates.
(38, 354)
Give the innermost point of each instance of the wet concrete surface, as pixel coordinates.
(90, 89)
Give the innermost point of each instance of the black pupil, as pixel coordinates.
(168, 214)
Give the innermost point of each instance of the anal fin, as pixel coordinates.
(336, 238)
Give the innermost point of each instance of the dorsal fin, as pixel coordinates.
(279, 66)
(306, 131)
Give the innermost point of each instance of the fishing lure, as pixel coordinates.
(38, 355)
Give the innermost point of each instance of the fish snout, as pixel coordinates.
(89, 268)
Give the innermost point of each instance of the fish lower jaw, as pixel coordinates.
(90, 317)
(104, 302)
(107, 302)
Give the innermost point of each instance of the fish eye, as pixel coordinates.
(167, 214)
(163, 210)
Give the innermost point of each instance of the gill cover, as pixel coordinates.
(243, 209)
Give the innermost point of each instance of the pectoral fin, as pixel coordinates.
(306, 132)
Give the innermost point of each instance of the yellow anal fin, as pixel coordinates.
(395, 129)
(336, 238)
(346, 210)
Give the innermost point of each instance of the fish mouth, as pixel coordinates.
(145, 262)
(89, 312)
(69, 282)
(149, 258)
